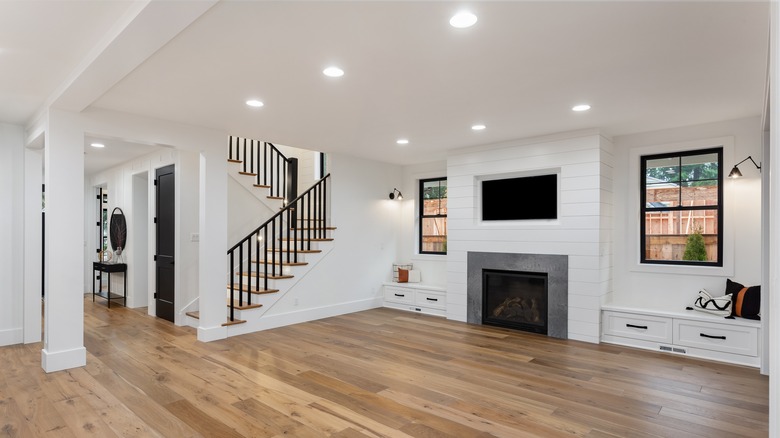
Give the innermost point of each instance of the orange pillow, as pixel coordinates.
(403, 275)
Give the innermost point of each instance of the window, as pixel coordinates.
(433, 216)
(682, 207)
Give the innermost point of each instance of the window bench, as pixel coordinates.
(686, 332)
(416, 297)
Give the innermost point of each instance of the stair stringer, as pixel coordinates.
(248, 182)
(254, 317)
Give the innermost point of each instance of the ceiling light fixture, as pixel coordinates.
(333, 72)
(402, 141)
(254, 103)
(463, 19)
(478, 127)
(97, 145)
(582, 107)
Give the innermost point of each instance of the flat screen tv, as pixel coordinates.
(523, 198)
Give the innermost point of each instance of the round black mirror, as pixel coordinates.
(118, 230)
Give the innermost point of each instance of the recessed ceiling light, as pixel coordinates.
(254, 103)
(333, 72)
(582, 107)
(97, 145)
(463, 19)
(478, 127)
(402, 141)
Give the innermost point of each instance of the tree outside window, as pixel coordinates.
(433, 216)
(682, 206)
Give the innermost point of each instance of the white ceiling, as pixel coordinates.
(641, 65)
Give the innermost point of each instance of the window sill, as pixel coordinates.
(723, 271)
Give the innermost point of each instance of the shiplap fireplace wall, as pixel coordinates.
(582, 231)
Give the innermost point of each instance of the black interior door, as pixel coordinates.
(165, 211)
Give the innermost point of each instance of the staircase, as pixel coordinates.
(271, 259)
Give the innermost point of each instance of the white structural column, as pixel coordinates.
(213, 244)
(33, 179)
(63, 344)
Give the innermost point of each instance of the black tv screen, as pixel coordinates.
(524, 198)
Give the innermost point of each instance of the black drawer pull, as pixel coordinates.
(643, 327)
(432, 299)
(704, 335)
(400, 295)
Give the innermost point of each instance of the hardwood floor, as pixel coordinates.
(379, 373)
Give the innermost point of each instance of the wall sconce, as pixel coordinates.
(735, 173)
(393, 194)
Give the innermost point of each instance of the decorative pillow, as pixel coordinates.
(397, 266)
(403, 275)
(746, 301)
(414, 276)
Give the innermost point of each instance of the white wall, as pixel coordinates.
(668, 288)
(11, 234)
(349, 278)
(582, 231)
(245, 211)
(433, 268)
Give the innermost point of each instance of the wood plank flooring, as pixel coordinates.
(378, 373)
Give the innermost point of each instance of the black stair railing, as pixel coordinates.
(265, 252)
(264, 160)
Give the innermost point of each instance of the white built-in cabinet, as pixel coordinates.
(689, 333)
(416, 297)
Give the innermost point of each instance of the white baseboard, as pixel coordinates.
(11, 336)
(306, 315)
(52, 361)
(208, 334)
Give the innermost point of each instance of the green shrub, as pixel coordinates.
(694, 247)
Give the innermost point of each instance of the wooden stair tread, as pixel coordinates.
(196, 315)
(230, 160)
(280, 198)
(264, 275)
(247, 288)
(247, 173)
(262, 186)
(245, 306)
(302, 239)
(283, 263)
(315, 228)
(234, 322)
(300, 251)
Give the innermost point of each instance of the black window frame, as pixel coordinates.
(644, 209)
(422, 216)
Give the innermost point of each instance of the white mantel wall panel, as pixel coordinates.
(582, 231)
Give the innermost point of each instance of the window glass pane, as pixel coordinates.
(697, 193)
(699, 167)
(434, 197)
(434, 234)
(662, 170)
(662, 195)
(681, 235)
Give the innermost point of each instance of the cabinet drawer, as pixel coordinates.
(627, 325)
(399, 295)
(430, 299)
(717, 337)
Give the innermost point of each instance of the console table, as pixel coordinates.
(109, 268)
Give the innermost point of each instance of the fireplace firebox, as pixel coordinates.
(515, 299)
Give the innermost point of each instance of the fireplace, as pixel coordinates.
(515, 299)
(550, 269)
